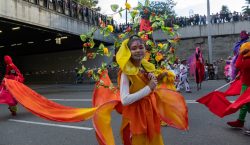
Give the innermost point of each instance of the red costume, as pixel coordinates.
(243, 64)
(12, 72)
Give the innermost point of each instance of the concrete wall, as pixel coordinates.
(55, 67)
(201, 31)
(22, 11)
(222, 48)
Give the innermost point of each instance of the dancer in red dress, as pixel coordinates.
(12, 72)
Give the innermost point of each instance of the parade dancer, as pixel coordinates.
(183, 76)
(227, 71)
(243, 66)
(12, 72)
(197, 68)
(244, 36)
(137, 85)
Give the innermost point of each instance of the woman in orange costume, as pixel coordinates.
(141, 115)
(141, 102)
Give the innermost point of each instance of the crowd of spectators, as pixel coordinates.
(197, 19)
(74, 9)
(215, 18)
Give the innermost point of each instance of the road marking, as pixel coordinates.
(194, 101)
(73, 100)
(191, 101)
(51, 124)
(90, 100)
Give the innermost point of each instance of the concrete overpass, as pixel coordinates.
(219, 29)
(28, 29)
(53, 15)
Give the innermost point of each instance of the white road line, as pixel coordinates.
(194, 101)
(51, 124)
(89, 100)
(73, 100)
(191, 101)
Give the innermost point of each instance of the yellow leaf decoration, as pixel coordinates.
(105, 51)
(128, 6)
(110, 28)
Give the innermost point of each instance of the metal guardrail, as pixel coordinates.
(73, 9)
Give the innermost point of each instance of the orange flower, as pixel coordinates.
(158, 57)
(176, 39)
(90, 73)
(99, 71)
(170, 30)
(120, 36)
(172, 49)
(147, 55)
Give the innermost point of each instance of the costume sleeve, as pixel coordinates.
(126, 97)
(239, 61)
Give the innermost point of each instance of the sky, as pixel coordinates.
(182, 8)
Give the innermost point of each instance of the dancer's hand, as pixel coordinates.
(152, 84)
(151, 76)
(161, 76)
(153, 81)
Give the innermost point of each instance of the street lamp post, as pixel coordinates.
(209, 37)
(126, 15)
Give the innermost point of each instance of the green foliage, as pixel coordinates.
(161, 8)
(224, 9)
(89, 3)
(246, 8)
(156, 13)
(114, 7)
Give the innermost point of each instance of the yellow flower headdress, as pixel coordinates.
(245, 46)
(123, 59)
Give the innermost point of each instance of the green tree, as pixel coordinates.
(163, 7)
(89, 3)
(246, 8)
(224, 9)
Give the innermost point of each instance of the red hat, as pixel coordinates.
(7, 59)
(244, 34)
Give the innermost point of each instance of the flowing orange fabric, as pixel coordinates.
(101, 94)
(142, 118)
(172, 108)
(102, 121)
(45, 108)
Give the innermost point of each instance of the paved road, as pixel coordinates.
(27, 129)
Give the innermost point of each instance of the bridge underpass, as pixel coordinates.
(20, 39)
(33, 48)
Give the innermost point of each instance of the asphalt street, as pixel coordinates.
(27, 129)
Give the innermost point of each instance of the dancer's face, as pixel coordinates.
(138, 50)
